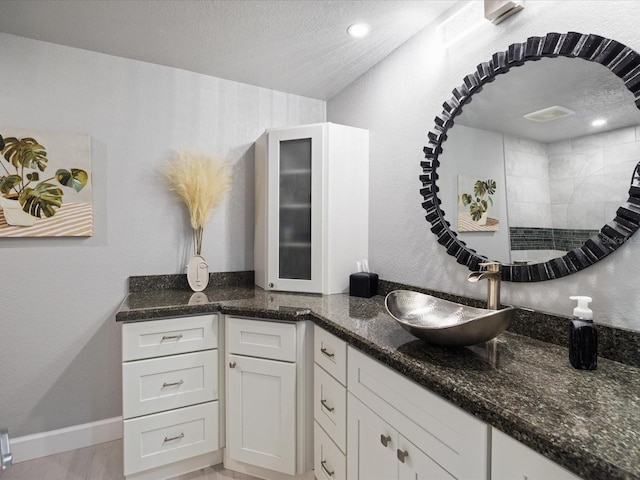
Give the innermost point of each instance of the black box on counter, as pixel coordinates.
(363, 284)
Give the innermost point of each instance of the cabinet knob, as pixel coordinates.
(402, 455)
(271, 285)
(385, 439)
(232, 364)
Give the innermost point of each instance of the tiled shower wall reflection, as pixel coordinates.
(570, 185)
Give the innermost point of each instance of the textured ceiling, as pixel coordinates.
(587, 88)
(295, 46)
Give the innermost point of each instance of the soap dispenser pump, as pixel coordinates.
(583, 336)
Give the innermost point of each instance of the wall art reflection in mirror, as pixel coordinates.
(477, 211)
(560, 137)
(45, 184)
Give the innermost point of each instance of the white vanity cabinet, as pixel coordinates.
(388, 416)
(379, 451)
(311, 207)
(268, 397)
(511, 460)
(170, 396)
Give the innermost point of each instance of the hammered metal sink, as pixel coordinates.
(446, 323)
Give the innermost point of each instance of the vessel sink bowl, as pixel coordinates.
(446, 323)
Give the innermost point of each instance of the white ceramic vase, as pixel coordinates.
(197, 273)
(14, 215)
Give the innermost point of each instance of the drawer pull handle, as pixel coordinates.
(232, 364)
(171, 337)
(323, 464)
(328, 354)
(324, 404)
(174, 384)
(179, 437)
(402, 455)
(385, 439)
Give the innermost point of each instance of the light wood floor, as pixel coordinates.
(99, 462)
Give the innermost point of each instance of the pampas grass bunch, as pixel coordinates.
(200, 181)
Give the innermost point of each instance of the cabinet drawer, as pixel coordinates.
(330, 406)
(329, 463)
(156, 338)
(264, 339)
(454, 439)
(331, 354)
(159, 384)
(168, 437)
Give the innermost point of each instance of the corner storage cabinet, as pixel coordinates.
(268, 398)
(312, 207)
(170, 396)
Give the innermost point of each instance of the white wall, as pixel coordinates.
(397, 101)
(479, 154)
(59, 342)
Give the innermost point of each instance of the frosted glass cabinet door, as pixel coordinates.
(295, 196)
(295, 209)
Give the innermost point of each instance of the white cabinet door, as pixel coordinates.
(371, 444)
(453, 438)
(294, 231)
(511, 460)
(414, 464)
(261, 413)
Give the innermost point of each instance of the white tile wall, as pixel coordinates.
(578, 164)
(576, 183)
(527, 173)
(526, 164)
(524, 145)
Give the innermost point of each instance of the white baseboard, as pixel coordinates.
(65, 439)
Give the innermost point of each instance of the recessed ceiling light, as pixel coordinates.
(599, 122)
(358, 30)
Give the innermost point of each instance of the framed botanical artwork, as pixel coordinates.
(45, 184)
(477, 209)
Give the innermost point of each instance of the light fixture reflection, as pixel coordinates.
(358, 30)
(599, 122)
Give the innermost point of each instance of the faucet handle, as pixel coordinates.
(491, 266)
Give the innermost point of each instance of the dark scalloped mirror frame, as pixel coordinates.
(619, 59)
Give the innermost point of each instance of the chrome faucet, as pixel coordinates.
(491, 273)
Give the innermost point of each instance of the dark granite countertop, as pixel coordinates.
(586, 421)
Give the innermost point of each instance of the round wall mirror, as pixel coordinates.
(540, 160)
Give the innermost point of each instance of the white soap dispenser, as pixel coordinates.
(583, 336)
